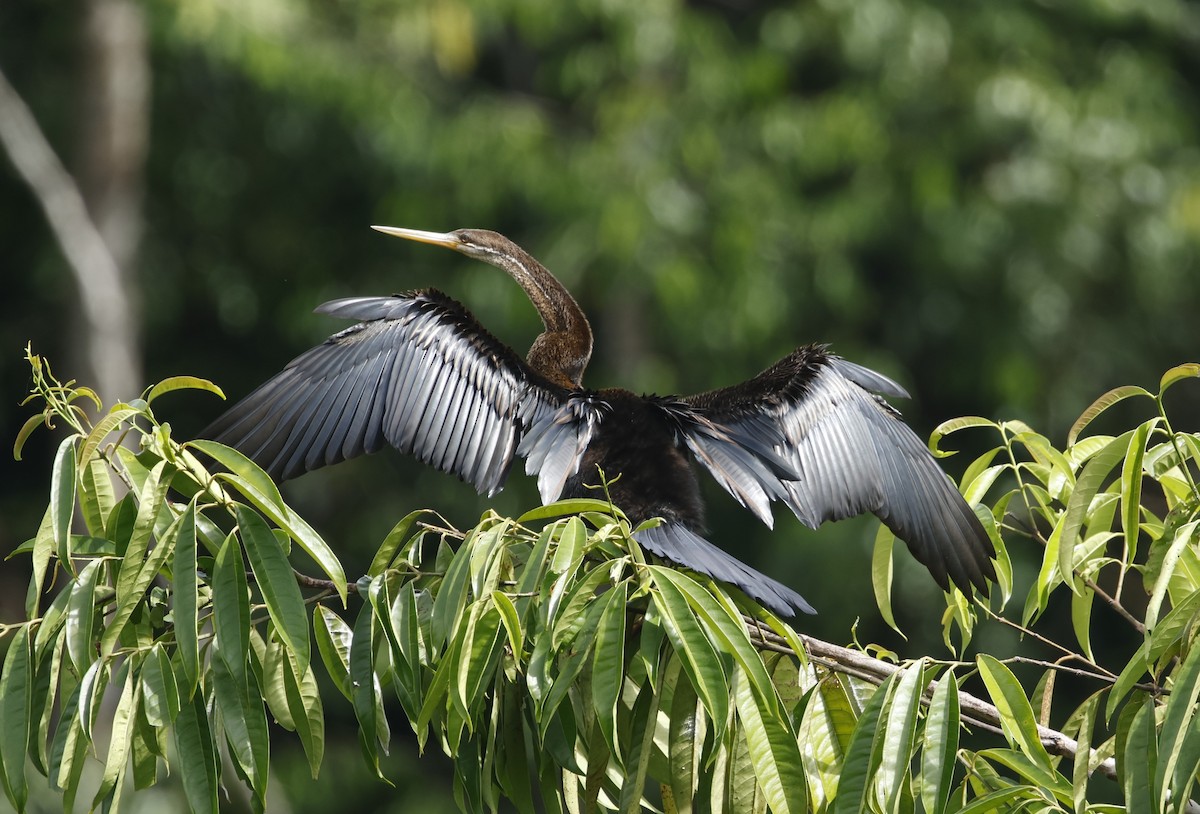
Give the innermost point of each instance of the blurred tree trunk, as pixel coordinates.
(114, 124)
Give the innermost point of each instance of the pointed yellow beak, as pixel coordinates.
(446, 239)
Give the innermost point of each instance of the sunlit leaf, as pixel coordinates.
(182, 383)
(275, 580)
(15, 717)
(1178, 373)
(1100, 405)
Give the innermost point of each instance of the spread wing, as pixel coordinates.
(811, 432)
(420, 373)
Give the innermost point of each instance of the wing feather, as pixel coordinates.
(848, 452)
(418, 372)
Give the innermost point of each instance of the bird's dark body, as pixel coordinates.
(637, 448)
(420, 373)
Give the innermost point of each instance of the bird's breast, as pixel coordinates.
(647, 474)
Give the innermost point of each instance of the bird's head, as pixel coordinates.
(478, 243)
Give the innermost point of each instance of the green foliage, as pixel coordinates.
(560, 670)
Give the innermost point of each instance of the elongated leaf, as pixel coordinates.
(96, 496)
(255, 485)
(62, 499)
(1176, 550)
(685, 740)
(31, 424)
(333, 641)
(477, 657)
(862, 754)
(81, 616)
(1090, 480)
(15, 717)
(608, 665)
(696, 653)
(774, 753)
(1179, 737)
(160, 694)
(277, 583)
(900, 736)
(952, 426)
(1131, 486)
(637, 758)
(197, 756)
(150, 500)
(1141, 759)
(940, 747)
(182, 383)
(1100, 405)
(104, 427)
(1016, 714)
(185, 594)
(1177, 374)
(392, 542)
(561, 508)
(231, 608)
(366, 695)
(240, 703)
(305, 708)
(119, 742)
(1083, 738)
(881, 575)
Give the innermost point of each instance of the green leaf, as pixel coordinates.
(1016, 714)
(1141, 759)
(881, 575)
(900, 734)
(231, 608)
(394, 539)
(185, 611)
(62, 499)
(240, 703)
(31, 424)
(257, 487)
(952, 426)
(15, 717)
(477, 656)
(1178, 546)
(1100, 405)
(608, 664)
(366, 692)
(334, 638)
(774, 753)
(512, 623)
(637, 756)
(96, 497)
(685, 738)
(1179, 737)
(182, 383)
(940, 746)
(197, 756)
(1178, 373)
(1131, 485)
(561, 508)
(160, 694)
(81, 616)
(104, 427)
(1086, 487)
(696, 653)
(276, 581)
(304, 707)
(1083, 739)
(150, 500)
(862, 754)
(120, 739)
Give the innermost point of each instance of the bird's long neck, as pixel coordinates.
(562, 351)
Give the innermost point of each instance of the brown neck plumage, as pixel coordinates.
(562, 351)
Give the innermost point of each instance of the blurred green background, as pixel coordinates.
(997, 204)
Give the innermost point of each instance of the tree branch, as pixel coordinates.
(856, 663)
